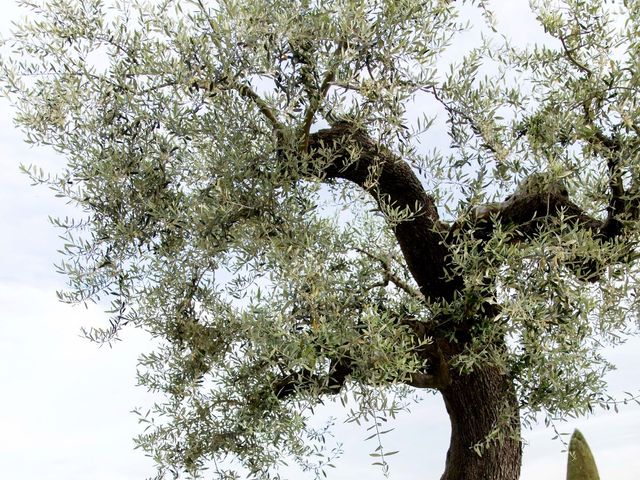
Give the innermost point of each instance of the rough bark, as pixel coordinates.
(477, 404)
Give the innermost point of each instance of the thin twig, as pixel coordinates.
(453, 110)
(264, 108)
(392, 277)
(245, 90)
(572, 59)
(314, 103)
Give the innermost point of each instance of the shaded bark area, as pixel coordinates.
(477, 404)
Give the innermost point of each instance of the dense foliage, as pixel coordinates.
(232, 160)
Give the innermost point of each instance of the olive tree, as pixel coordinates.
(259, 194)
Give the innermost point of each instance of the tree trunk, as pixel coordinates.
(477, 404)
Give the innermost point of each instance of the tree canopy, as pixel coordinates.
(262, 190)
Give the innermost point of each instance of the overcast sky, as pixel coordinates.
(65, 403)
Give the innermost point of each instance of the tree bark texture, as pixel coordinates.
(477, 404)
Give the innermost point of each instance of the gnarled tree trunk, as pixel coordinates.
(477, 404)
(482, 403)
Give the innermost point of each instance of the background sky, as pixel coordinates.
(65, 403)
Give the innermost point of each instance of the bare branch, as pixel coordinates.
(391, 276)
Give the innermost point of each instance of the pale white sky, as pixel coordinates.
(64, 405)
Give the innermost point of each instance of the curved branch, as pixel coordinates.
(609, 147)
(524, 214)
(330, 384)
(395, 185)
(527, 211)
(569, 53)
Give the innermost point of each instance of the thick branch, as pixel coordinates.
(330, 384)
(610, 148)
(396, 185)
(524, 213)
(424, 380)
